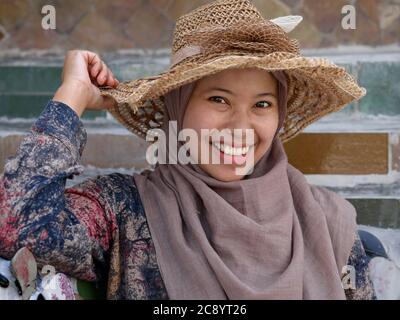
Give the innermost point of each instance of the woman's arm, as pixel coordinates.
(358, 259)
(68, 229)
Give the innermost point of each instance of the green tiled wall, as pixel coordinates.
(25, 89)
(383, 213)
(382, 81)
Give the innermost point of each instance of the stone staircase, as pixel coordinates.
(355, 152)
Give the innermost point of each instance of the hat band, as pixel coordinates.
(184, 53)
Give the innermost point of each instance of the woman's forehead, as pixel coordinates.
(231, 79)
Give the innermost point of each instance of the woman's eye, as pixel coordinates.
(217, 99)
(265, 104)
(261, 104)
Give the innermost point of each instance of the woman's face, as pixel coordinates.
(233, 99)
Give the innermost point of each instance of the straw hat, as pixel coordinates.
(233, 34)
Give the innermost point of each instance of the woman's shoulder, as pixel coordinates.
(330, 199)
(331, 203)
(115, 191)
(338, 210)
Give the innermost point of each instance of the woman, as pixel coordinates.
(196, 230)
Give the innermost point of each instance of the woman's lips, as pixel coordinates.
(232, 159)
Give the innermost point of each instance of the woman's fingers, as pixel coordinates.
(95, 69)
(94, 65)
(102, 77)
(113, 81)
(101, 73)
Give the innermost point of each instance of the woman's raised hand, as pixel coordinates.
(82, 74)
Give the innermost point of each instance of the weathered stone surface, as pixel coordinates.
(383, 213)
(2, 33)
(369, 8)
(307, 34)
(69, 16)
(95, 31)
(395, 148)
(118, 11)
(177, 8)
(104, 25)
(13, 13)
(161, 5)
(391, 33)
(367, 25)
(272, 9)
(292, 3)
(325, 15)
(31, 34)
(148, 28)
(389, 19)
(388, 15)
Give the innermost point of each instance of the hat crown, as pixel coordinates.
(220, 13)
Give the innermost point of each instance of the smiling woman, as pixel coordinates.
(194, 231)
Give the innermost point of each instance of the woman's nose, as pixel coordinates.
(240, 119)
(241, 126)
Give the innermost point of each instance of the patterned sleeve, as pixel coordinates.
(70, 229)
(359, 260)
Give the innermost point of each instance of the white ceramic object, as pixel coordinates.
(385, 273)
(11, 292)
(55, 287)
(287, 23)
(385, 276)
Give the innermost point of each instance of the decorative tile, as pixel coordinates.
(383, 213)
(381, 79)
(339, 153)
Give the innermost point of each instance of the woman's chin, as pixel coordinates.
(222, 172)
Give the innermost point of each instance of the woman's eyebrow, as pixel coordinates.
(230, 92)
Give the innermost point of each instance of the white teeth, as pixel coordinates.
(230, 150)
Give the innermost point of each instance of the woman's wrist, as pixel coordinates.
(74, 95)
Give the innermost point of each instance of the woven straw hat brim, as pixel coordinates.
(316, 87)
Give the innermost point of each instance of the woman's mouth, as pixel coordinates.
(234, 155)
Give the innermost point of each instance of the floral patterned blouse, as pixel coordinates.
(95, 230)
